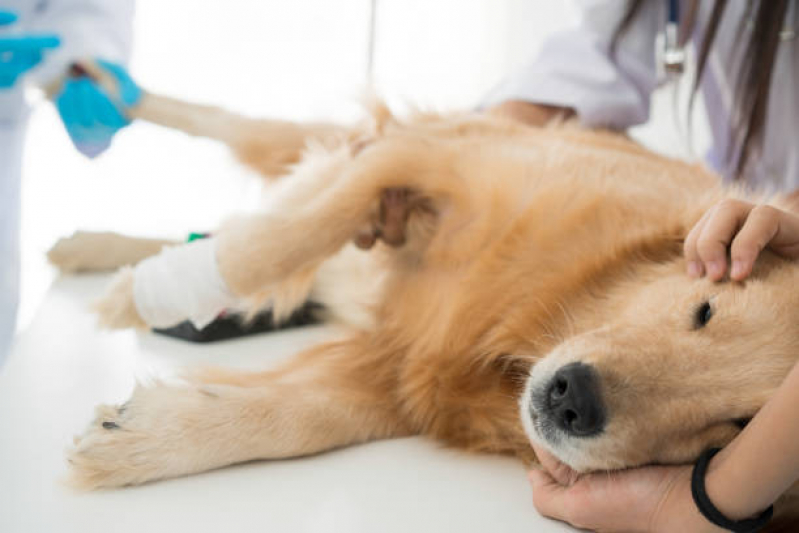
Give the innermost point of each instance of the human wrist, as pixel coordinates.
(677, 510)
(724, 489)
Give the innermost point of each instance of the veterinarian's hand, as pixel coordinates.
(650, 499)
(91, 115)
(20, 53)
(746, 229)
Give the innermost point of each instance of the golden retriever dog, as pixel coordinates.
(498, 283)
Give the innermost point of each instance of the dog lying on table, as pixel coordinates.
(499, 283)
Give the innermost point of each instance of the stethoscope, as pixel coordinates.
(673, 47)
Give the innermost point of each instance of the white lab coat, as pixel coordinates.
(574, 69)
(87, 28)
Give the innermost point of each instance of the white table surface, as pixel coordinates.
(62, 366)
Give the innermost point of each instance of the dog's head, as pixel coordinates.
(682, 367)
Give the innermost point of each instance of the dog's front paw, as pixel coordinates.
(117, 449)
(117, 308)
(156, 434)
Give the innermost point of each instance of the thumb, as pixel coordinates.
(549, 497)
(7, 17)
(561, 472)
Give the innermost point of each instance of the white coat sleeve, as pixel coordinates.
(574, 68)
(88, 29)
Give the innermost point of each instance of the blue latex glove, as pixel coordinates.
(92, 117)
(20, 53)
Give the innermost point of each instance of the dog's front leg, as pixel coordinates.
(330, 396)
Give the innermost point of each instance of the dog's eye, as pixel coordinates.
(741, 422)
(703, 315)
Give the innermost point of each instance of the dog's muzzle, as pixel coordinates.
(571, 401)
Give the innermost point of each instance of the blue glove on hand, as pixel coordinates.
(92, 116)
(20, 53)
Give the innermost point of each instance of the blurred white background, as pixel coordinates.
(295, 59)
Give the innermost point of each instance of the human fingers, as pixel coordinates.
(12, 67)
(717, 234)
(559, 471)
(550, 498)
(109, 115)
(768, 227)
(84, 105)
(67, 108)
(20, 61)
(760, 227)
(129, 91)
(29, 43)
(694, 265)
(106, 112)
(7, 17)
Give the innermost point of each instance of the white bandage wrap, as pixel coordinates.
(181, 283)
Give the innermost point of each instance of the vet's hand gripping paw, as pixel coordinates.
(93, 100)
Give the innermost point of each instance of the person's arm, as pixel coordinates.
(529, 113)
(766, 455)
(575, 70)
(792, 201)
(744, 479)
(763, 462)
(747, 476)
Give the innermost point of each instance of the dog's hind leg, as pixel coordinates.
(330, 396)
(268, 146)
(403, 191)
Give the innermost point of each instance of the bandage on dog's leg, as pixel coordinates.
(181, 283)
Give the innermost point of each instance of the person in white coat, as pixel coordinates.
(577, 72)
(604, 72)
(38, 41)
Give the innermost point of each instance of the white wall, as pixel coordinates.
(447, 54)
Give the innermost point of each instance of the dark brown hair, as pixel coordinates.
(751, 91)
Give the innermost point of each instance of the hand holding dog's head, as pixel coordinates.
(679, 369)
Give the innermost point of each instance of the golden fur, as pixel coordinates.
(524, 249)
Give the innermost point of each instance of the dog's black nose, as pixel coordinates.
(574, 401)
